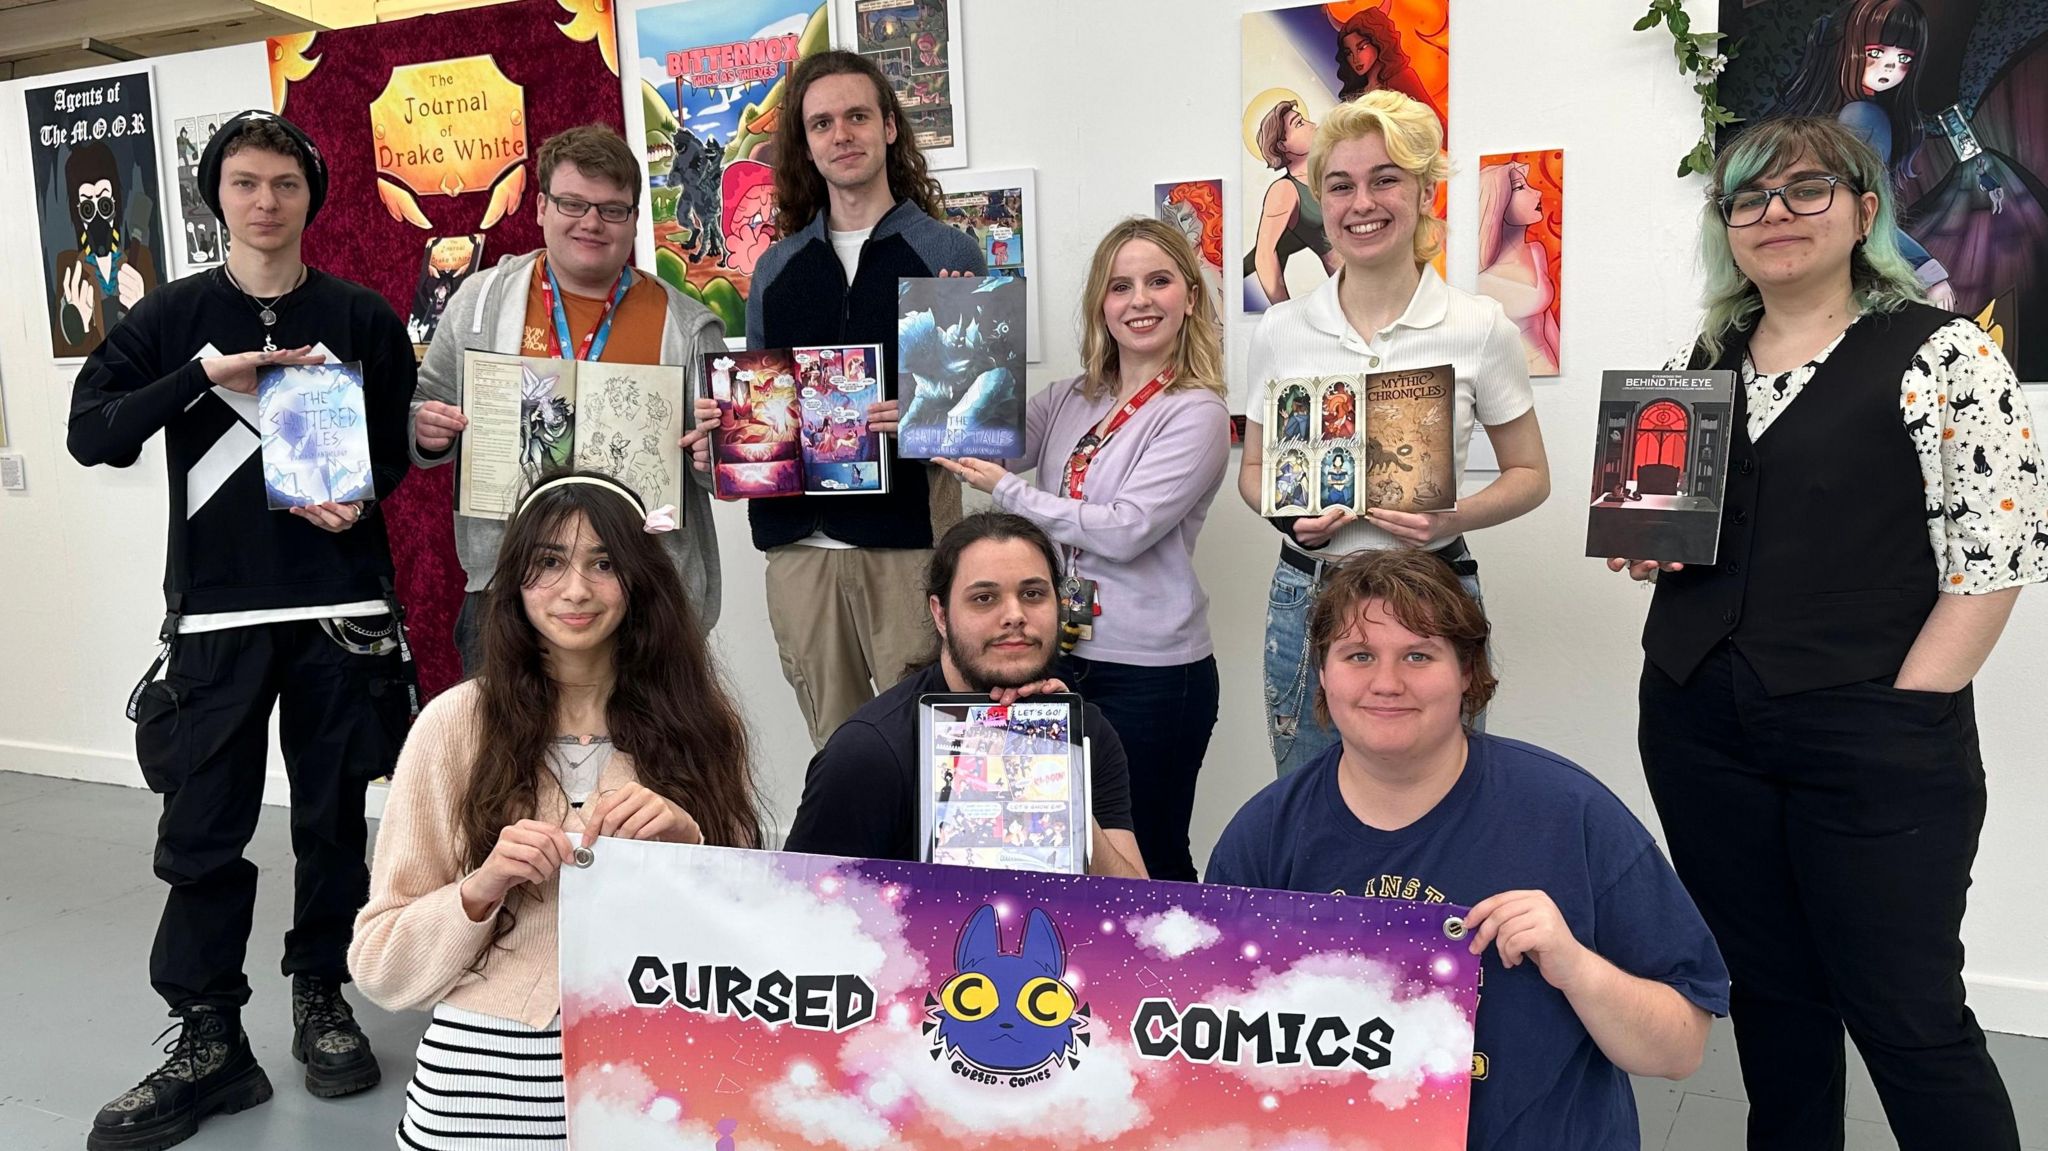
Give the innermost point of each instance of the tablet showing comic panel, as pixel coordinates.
(914, 43)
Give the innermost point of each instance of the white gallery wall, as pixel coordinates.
(1104, 100)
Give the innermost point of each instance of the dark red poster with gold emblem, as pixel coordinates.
(429, 127)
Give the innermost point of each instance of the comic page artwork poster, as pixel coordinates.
(912, 42)
(1297, 64)
(1000, 210)
(711, 87)
(722, 998)
(92, 155)
(203, 242)
(1521, 248)
(1951, 94)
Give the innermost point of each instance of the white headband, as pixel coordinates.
(661, 519)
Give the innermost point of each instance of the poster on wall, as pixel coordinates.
(739, 999)
(711, 84)
(913, 42)
(1521, 248)
(202, 241)
(93, 159)
(1297, 64)
(486, 87)
(1000, 210)
(1951, 93)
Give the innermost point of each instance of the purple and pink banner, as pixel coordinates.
(724, 1000)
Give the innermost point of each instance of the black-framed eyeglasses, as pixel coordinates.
(91, 206)
(611, 211)
(1805, 197)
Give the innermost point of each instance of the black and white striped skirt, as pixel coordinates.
(485, 1082)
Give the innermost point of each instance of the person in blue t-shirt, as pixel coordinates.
(1600, 966)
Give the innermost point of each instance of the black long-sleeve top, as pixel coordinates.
(227, 551)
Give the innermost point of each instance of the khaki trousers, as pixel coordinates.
(847, 622)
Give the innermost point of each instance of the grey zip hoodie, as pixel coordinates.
(487, 313)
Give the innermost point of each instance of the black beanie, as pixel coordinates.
(216, 148)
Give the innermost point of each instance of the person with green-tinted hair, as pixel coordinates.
(1807, 726)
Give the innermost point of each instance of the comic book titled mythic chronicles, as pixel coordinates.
(1381, 440)
(1003, 785)
(794, 421)
(528, 416)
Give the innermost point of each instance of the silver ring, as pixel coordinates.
(1454, 928)
(583, 857)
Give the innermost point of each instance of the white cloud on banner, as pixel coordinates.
(736, 908)
(1432, 1036)
(1172, 933)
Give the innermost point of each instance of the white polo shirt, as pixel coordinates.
(1310, 336)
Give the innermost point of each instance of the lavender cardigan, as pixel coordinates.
(1147, 493)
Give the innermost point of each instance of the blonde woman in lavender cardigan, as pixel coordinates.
(1127, 456)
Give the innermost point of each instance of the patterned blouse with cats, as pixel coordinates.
(1987, 509)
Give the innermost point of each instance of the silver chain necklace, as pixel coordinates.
(266, 309)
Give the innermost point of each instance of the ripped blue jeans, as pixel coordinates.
(1292, 678)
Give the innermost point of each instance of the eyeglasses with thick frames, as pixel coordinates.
(1808, 197)
(611, 211)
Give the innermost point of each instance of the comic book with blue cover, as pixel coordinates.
(316, 434)
(960, 350)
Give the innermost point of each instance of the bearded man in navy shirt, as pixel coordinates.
(1597, 965)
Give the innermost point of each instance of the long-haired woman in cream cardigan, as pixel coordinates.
(597, 713)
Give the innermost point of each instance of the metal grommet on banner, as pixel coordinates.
(1454, 928)
(583, 857)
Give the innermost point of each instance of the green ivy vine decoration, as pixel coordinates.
(1701, 57)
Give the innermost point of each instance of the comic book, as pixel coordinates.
(448, 261)
(794, 421)
(960, 366)
(1003, 785)
(1380, 440)
(316, 434)
(530, 415)
(1660, 465)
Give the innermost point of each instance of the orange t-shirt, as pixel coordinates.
(636, 326)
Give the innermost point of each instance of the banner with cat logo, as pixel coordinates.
(723, 1000)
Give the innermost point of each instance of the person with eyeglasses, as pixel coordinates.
(597, 712)
(1807, 727)
(576, 298)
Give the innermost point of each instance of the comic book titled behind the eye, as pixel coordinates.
(1379, 440)
(529, 416)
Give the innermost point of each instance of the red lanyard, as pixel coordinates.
(558, 331)
(1076, 473)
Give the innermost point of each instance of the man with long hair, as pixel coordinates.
(265, 611)
(575, 298)
(857, 211)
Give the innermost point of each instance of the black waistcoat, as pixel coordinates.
(1825, 573)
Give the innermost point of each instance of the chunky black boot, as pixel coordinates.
(327, 1040)
(210, 1069)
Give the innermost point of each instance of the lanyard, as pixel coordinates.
(593, 344)
(1076, 474)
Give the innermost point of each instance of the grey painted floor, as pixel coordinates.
(78, 908)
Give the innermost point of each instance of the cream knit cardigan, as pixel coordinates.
(413, 944)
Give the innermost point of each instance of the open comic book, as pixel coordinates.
(1381, 440)
(1660, 465)
(316, 435)
(794, 421)
(1003, 785)
(529, 416)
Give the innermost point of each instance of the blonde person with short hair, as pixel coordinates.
(1373, 169)
(1128, 456)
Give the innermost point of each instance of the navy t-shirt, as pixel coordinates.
(1518, 818)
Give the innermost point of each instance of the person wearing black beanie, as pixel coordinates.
(266, 610)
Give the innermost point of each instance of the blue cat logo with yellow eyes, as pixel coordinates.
(1004, 1015)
